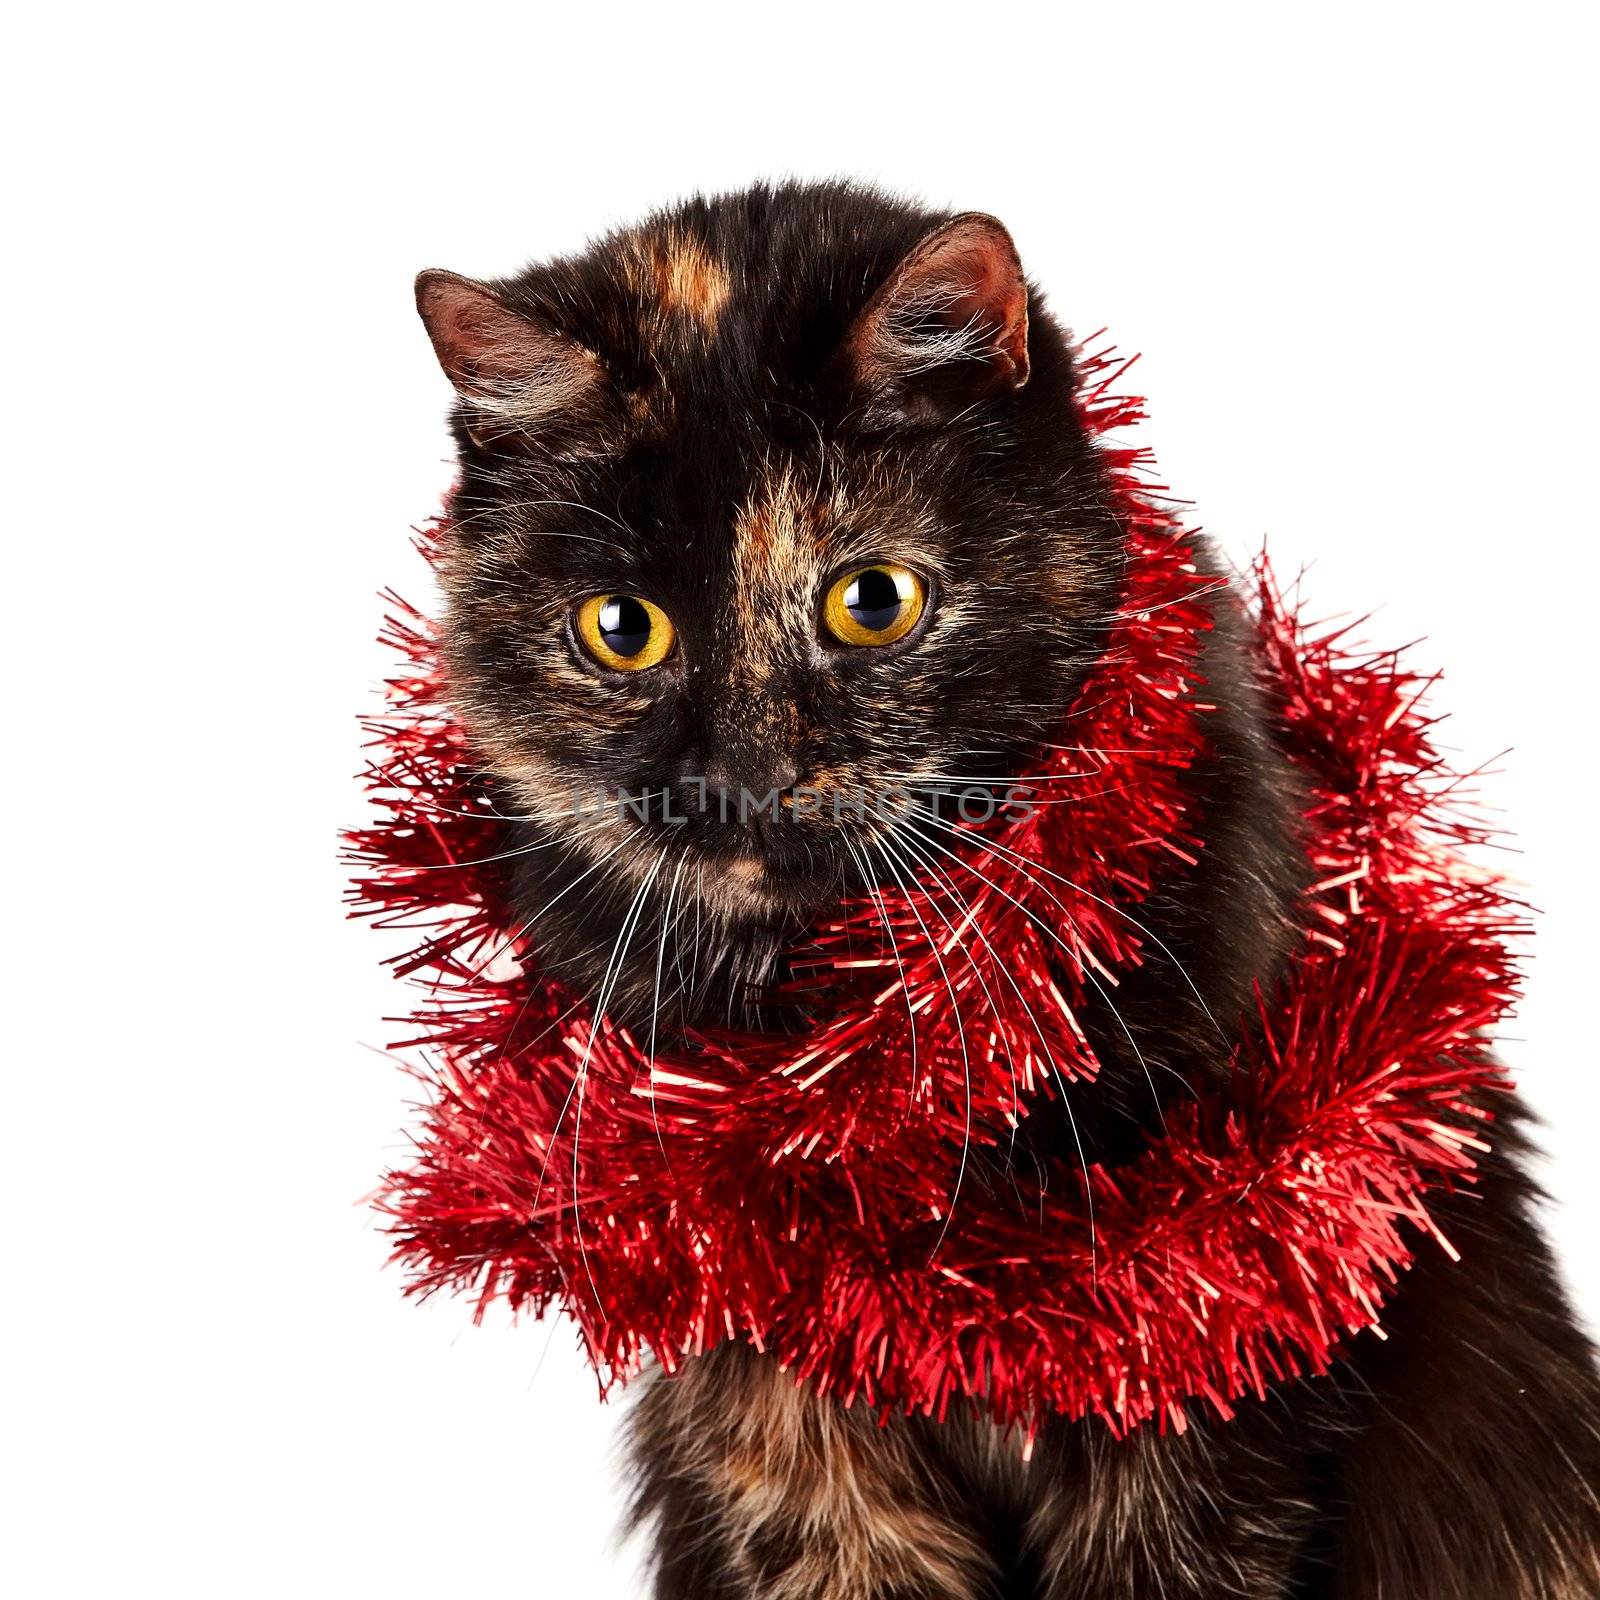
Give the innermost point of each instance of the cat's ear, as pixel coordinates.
(509, 369)
(949, 325)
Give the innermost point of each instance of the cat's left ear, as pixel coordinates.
(948, 326)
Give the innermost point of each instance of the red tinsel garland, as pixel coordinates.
(805, 1191)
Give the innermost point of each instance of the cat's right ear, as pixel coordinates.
(512, 373)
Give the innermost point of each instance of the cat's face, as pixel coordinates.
(774, 514)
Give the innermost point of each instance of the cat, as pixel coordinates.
(785, 492)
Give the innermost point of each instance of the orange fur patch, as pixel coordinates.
(778, 561)
(684, 279)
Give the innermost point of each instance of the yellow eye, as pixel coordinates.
(875, 605)
(625, 632)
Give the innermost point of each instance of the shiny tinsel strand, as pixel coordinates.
(795, 1190)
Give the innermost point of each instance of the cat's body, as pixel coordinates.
(748, 413)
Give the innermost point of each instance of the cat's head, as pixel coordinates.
(781, 491)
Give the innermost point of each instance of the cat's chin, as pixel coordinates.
(755, 888)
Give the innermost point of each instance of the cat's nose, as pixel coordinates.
(757, 776)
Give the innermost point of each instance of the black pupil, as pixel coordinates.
(624, 625)
(873, 599)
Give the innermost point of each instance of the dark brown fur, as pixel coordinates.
(718, 410)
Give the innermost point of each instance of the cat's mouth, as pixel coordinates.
(774, 869)
(785, 853)
(746, 890)
(759, 865)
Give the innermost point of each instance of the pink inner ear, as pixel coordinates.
(991, 294)
(493, 355)
(959, 296)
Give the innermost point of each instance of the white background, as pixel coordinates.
(1352, 245)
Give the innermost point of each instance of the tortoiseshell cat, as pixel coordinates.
(784, 490)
